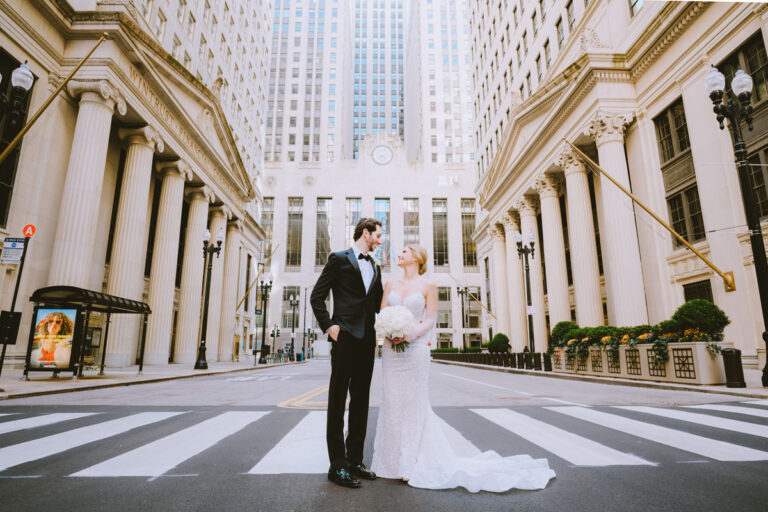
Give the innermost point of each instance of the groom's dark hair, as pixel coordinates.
(365, 223)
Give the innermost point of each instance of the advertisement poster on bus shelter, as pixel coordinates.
(52, 341)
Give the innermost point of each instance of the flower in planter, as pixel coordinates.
(571, 342)
(606, 339)
(645, 338)
(585, 340)
(625, 339)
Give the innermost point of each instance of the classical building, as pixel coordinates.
(624, 82)
(311, 210)
(131, 163)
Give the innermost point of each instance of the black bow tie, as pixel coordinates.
(362, 256)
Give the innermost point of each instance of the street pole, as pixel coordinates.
(265, 289)
(15, 295)
(209, 250)
(461, 293)
(529, 316)
(736, 111)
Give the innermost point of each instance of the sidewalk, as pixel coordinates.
(12, 384)
(752, 378)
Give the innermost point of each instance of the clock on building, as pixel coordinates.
(382, 154)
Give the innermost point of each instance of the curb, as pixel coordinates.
(143, 381)
(603, 380)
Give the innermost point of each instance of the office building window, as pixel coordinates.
(440, 232)
(381, 213)
(267, 221)
(698, 290)
(444, 312)
(289, 313)
(411, 220)
(467, 232)
(353, 211)
(293, 235)
(323, 231)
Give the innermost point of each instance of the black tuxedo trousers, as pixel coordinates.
(351, 370)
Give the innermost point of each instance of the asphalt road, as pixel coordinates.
(255, 441)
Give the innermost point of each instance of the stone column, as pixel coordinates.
(188, 322)
(618, 233)
(557, 273)
(528, 206)
(581, 234)
(515, 285)
(126, 266)
(499, 279)
(219, 218)
(229, 298)
(162, 279)
(81, 196)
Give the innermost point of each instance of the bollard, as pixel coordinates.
(734, 373)
(547, 363)
(537, 361)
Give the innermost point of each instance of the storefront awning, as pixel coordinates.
(88, 299)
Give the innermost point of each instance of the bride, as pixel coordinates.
(412, 443)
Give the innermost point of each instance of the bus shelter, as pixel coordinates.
(60, 336)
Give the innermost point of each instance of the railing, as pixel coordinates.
(520, 360)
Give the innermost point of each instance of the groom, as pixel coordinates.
(355, 280)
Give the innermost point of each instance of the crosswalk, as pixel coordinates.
(156, 443)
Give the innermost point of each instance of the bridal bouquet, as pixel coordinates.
(395, 322)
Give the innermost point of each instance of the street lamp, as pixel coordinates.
(275, 333)
(265, 286)
(294, 301)
(209, 250)
(735, 112)
(14, 107)
(461, 291)
(523, 251)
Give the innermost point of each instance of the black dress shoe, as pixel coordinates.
(340, 476)
(360, 471)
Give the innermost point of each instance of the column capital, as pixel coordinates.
(548, 185)
(146, 135)
(179, 167)
(495, 234)
(203, 192)
(608, 126)
(110, 95)
(527, 206)
(511, 222)
(223, 210)
(235, 225)
(569, 161)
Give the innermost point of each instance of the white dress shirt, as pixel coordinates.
(366, 268)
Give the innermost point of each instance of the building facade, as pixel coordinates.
(624, 82)
(138, 157)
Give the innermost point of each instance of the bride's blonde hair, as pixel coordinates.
(420, 255)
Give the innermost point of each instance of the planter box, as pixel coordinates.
(688, 363)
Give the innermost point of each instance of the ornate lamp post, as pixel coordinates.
(294, 302)
(735, 112)
(209, 250)
(15, 106)
(523, 251)
(265, 286)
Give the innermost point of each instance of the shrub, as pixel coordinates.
(665, 327)
(472, 350)
(499, 343)
(574, 334)
(560, 331)
(703, 315)
(448, 349)
(596, 334)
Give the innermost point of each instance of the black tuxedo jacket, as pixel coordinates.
(352, 306)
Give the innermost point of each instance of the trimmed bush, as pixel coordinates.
(560, 331)
(472, 350)
(499, 344)
(703, 315)
(447, 350)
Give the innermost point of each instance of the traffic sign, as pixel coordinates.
(13, 249)
(29, 230)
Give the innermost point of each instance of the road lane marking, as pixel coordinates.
(304, 400)
(712, 448)
(758, 402)
(40, 421)
(576, 449)
(514, 390)
(702, 419)
(46, 446)
(159, 457)
(761, 413)
(302, 450)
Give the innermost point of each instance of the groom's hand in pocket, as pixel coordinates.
(333, 332)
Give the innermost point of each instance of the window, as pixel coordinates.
(698, 290)
(289, 313)
(411, 220)
(444, 313)
(293, 242)
(560, 32)
(181, 10)
(353, 211)
(634, 6)
(758, 169)
(160, 25)
(467, 232)
(487, 268)
(381, 213)
(685, 214)
(751, 57)
(267, 220)
(672, 131)
(472, 309)
(323, 231)
(440, 232)
(445, 340)
(571, 17)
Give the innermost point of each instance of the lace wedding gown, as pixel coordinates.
(416, 445)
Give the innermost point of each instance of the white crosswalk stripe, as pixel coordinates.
(749, 411)
(703, 419)
(161, 456)
(39, 421)
(46, 446)
(302, 450)
(576, 449)
(758, 402)
(712, 448)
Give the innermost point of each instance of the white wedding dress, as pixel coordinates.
(414, 444)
